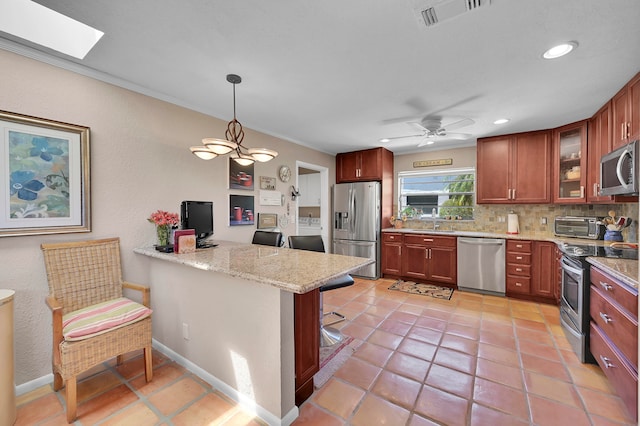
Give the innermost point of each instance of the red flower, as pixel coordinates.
(162, 218)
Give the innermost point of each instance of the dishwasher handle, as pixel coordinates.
(481, 241)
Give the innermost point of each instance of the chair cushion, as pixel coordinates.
(101, 318)
(344, 281)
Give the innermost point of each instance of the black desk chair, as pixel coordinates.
(328, 335)
(268, 238)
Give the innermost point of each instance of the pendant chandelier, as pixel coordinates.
(232, 144)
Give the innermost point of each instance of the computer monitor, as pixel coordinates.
(197, 215)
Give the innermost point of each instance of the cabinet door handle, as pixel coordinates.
(518, 269)
(581, 191)
(606, 318)
(606, 361)
(514, 194)
(518, 245)
(518, 257)
(509, 194)
(606, 286)
(426, 253)
(518, 284)
(595, 189)
(427, 240)
(623, 131)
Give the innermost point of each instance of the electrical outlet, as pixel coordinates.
(185, 331)
(543, 221)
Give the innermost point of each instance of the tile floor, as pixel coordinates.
(472, 360)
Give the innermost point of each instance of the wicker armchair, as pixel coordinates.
(81, 275)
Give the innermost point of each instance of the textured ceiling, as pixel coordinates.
(339, 75)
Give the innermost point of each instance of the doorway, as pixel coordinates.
(313, 202)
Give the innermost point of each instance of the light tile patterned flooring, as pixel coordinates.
(472, 360)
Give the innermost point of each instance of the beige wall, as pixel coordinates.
(140, 162)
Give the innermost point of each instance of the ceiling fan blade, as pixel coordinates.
(405, 137)
(458, 136)
(459, 124)
(425, 142)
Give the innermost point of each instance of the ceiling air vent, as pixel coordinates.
(435, 11)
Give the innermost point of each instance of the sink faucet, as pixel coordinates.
(433, 215)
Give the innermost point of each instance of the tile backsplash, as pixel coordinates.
(488, 218)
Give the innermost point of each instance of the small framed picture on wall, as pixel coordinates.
(241, 208)
(240, 177)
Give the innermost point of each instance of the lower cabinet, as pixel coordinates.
(532, 270)
(420, 257)
(614, 335)
(307, 342)
(392, 253)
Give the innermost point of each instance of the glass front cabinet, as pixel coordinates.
(570, 163)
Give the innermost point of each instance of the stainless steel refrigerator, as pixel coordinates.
(356, 223)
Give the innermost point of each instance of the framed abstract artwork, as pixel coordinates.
(44, 176)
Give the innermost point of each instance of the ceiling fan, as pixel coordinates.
(431, 129)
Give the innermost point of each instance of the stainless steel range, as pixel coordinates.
(574, 300)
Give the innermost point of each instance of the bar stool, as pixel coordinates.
(328, 335)
(268, 238)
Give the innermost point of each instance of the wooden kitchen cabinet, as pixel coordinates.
(544, 276)
(307, 342)
(365, 165)
(392, 254)
(431, 258)
(598, 144)
(570, 163)
(532, 270)
(625, 109)
(514, 169)
(614, 334)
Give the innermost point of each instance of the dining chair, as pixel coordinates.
(92, 321)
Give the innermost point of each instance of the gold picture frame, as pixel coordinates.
(44, 176)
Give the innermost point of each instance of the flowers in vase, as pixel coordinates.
(164, 221)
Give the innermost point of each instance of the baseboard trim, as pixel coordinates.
(34, 384)
(247, 403)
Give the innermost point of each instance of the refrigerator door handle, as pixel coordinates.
(352, 209)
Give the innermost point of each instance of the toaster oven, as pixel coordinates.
(579, 227)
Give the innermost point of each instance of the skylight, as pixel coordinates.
(38, 24)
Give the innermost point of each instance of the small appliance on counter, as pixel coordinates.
(590, 228)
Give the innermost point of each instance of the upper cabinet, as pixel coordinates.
(625, 109)
(514, 169)
(309, 188)
(365, 165)
(598, 144)
(570, 163)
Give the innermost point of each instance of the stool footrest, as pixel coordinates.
(337, 314)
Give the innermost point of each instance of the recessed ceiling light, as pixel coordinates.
(501, 121)
(38, 24)
(385, 140)
(560, 50)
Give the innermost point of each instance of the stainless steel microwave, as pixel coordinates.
(619, 171)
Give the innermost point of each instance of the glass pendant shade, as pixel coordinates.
(203, 152)
(219, 146)
(262, 154)
(242, 159)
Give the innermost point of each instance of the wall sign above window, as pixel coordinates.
(431, 163)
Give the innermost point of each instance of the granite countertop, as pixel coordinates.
(296, 271)
(624, 269)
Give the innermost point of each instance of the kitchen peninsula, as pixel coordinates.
(228, 314)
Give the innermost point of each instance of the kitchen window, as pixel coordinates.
(450, 192)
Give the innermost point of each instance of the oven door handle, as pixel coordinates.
(570, 268)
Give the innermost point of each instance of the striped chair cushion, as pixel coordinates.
(102, 317)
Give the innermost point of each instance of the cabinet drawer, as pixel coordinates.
(518, 270)
(388, 237)
(619, 325)
(519, 258)
(621, 375)
(518, 284)
(519, 246)
(622, 294)
(430, 240)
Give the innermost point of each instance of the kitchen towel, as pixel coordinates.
(512, 224)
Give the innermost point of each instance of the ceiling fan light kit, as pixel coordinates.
(232, 144)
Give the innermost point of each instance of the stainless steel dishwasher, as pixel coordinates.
(481, 265)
